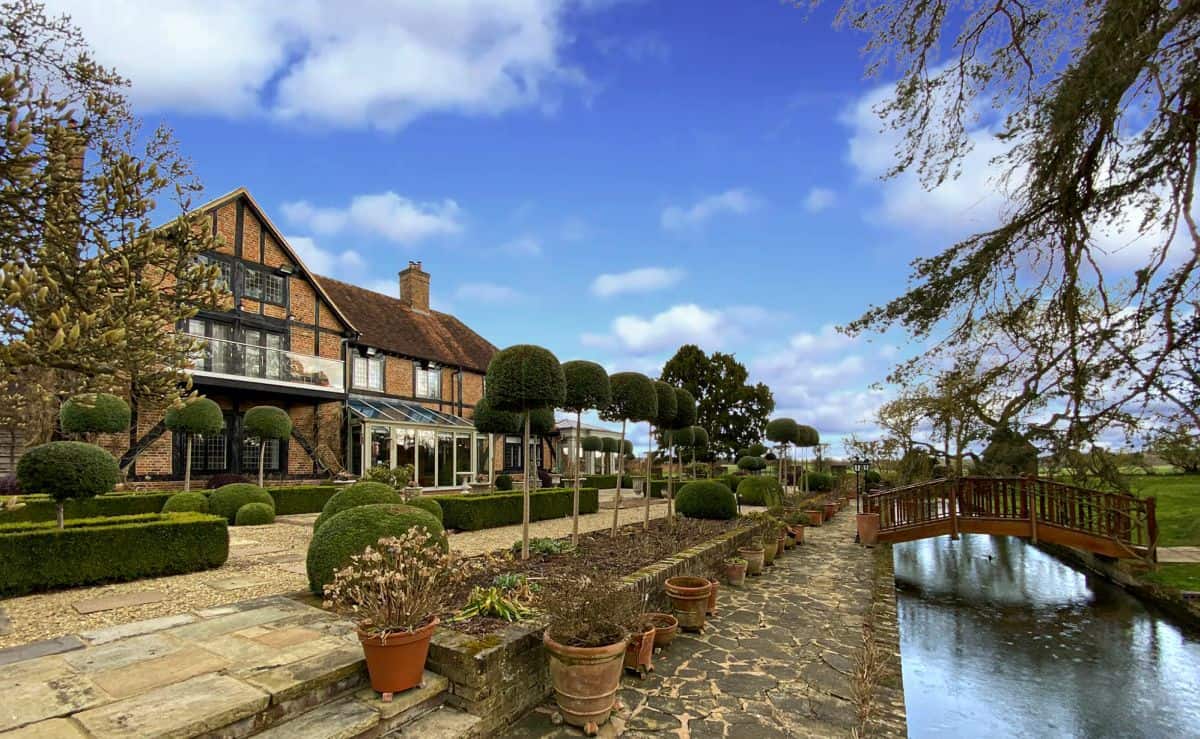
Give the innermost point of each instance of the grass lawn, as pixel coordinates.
(1178, 506)
(1181, 576)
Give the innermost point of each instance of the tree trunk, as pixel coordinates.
(525, 495)
(58, 513)
(262, 457)
(649, 476)
(671, 484)
(575, 461)
(620, 474)
(187, 466)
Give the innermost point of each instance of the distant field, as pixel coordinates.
(1178, 506)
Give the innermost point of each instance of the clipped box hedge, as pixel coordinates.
(474, 512)
(302, 498)
(40, 556)
(604, 482)
(40, 508)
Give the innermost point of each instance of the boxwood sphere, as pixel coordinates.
(783, 430)
(524, 377)
(491, 420)
(430, 505)
(99, 413)
(628, 445)
(633, 398)
(808, 436)
(685, 409)
(255, 514)
(67, 469)
(751, 464)
(699, 437)
(706, 499)
(186, 503)
(587, 386)
(195, 416)
(591, 444)
(358, 494)
(760, 490)
(610, 445)
(351, 531)
(667, 405)
(541, 422)
(683, 437)
(820, 482)
(225, 501)
(267, 422)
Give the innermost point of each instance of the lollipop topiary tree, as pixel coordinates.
(806, 437)
(664, 418)
(195, 416)
(633, 399)
(65, 470)
(94, 413)
(522, 379)
(264, 423)
(489, 420)
(681, 431)
(587, 388)
(610, 447)
(783, 431)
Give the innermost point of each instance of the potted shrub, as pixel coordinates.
(640, 650)
(735, 571)
(755, 557)
(815, 516)
(665, 628)
(393, 591)
(781, 543)
(770, 549)
(689, 600)
(586, 644)
(788, 541)
(797, 533)
(830, 509)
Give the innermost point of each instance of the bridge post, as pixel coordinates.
(1031, 502)
(954, 508)
(1152, 528)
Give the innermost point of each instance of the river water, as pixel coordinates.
(999, 639)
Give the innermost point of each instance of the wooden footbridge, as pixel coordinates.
(1110, 524)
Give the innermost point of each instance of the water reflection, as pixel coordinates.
(999, 639)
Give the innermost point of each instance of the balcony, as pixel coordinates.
(232, 360)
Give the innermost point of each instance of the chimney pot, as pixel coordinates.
(414, 287)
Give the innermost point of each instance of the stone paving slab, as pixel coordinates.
(122, 600)
(236, 582)
(55, 728)
(775, 660)
(40, 649)
(184, 709)
(136, 628)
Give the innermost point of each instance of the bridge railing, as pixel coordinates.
(1113, 516)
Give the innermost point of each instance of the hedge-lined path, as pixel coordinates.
(263, 560)
(778, 658)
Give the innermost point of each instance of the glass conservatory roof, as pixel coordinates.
(390, 410)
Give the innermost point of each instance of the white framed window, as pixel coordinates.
(427, 383)
(368, 372)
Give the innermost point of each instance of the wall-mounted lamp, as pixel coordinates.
(285, 270)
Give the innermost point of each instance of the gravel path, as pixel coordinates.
(263, 560)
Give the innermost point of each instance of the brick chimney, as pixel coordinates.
(414, 287)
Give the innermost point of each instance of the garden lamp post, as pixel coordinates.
(861, 465)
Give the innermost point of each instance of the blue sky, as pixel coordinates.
(608, 179)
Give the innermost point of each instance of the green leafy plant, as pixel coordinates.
(493, 602)
(394, 477)
(67, 469)
(194, 416)
(358, 494)
(706, 499)
(428, 504)
(255, 514)
(545, 546)
(226, 501)
(760, 490)
(351, 531)
(186, 503)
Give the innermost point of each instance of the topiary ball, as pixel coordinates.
(783, 430)
(748, 463)
(591, 444)
(761, 490)
(186, 503)
(821, 482)
(267, 422)
(524, 377)
(587, 386)
(226, 501)
(99, 413)
(195, 416)
(360, 493)
(504, 482)
(429, 504)
(489, 420)
(633, 398)
(610, 445)
(255, 514)
(351, 531)
(706, 499)
(67, 469)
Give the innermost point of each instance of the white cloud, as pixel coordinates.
(819, 199)
(352, 64)
(323, 261)
(710, 328)
(527, 246)
(736, 202)
(486, 292)
(645, 279)
(387, 214)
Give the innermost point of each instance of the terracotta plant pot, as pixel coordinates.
(754, 557)
(770, 549)
(830, 509)
(585, 680)
(798, 534)
(788, 541)
(689, 598)
(665, 628)
(640, 651)
(711, 609)
(735, 574)
(815, 517)
(397, 663)
(868, 528)
(781, 543)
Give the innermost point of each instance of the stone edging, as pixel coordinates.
(889, 717)
(501, 676)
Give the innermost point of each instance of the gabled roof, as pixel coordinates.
(387, 323)
(242, 192)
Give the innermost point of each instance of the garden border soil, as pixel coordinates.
(501, 675)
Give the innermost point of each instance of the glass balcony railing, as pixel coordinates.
(248, 361)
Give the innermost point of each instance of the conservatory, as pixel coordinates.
(444, 450)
